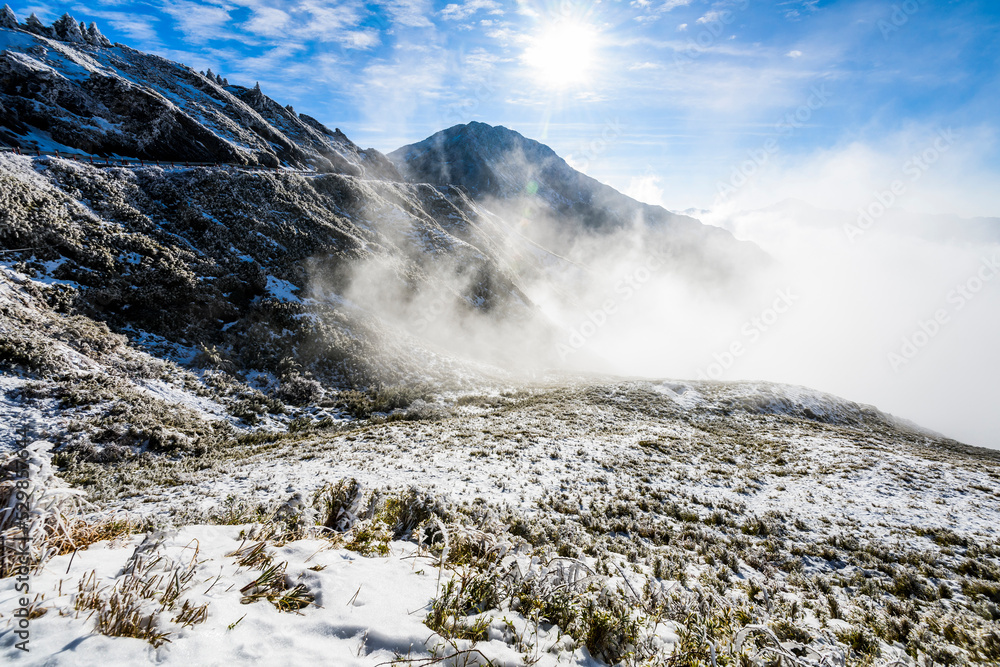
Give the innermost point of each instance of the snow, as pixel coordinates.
(367, 611)
(513, 458)
(171, 394)
(160, 347)
(130, 258)
(13, 413)
(282, 290)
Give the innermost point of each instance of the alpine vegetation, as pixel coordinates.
(269, 397)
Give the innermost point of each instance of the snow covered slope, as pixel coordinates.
(578, 522)
(557, 205)
(69, 94)
(289, 400)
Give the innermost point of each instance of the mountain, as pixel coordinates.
(504, 171)
(315, 272)
(319, 402)
(60, 92)
(495, 162)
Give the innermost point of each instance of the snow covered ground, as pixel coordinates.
(366, 610)
(188, 343)
(795, 503)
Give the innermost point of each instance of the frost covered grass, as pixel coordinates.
(368, 509)
(238, 454)
(577, 522)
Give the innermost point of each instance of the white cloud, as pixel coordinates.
(524, 9)
(635, 67)
(459, 11)
(312, 21)
(409, 13)
(136, 27)
(711, 16)
(682, 27)
(316, 21)
(361, 39)
(646, 189)
(651, 11)
(794, 54)
(202, 22)
(267, 22)
(504, 35)
(590, 97)
(807, 6)
(960, 181)
(45, 13)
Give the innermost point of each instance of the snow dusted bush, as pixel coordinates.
(299, 390)
(37, 507)
(150, 584)
(95, 37)
(339, 504)
(19, 352)
(35, 25)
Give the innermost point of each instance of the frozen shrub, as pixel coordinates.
(299, 390)
(340, 504)
(405, 512)
(68, 30)
(7, 18)
(295, 516)
(35, 505)
(150, 584)
(26, 354)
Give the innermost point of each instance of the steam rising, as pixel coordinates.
(902, 315)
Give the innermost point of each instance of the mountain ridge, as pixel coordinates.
(495, 161)
(105, 99)
(320, 388)
(569, 213)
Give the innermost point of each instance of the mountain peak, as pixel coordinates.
(492, 161)
(499, 166)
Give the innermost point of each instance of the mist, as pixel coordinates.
(896, 294)
(875, 303)
(906, 322)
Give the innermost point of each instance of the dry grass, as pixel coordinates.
(151, 584)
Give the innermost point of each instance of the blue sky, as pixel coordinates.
(664, 99)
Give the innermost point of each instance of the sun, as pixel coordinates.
(563, 54)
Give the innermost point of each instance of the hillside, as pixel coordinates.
(567, 211)
(300, 403)
(63, 92)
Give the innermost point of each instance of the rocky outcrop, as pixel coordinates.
(66, 87)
